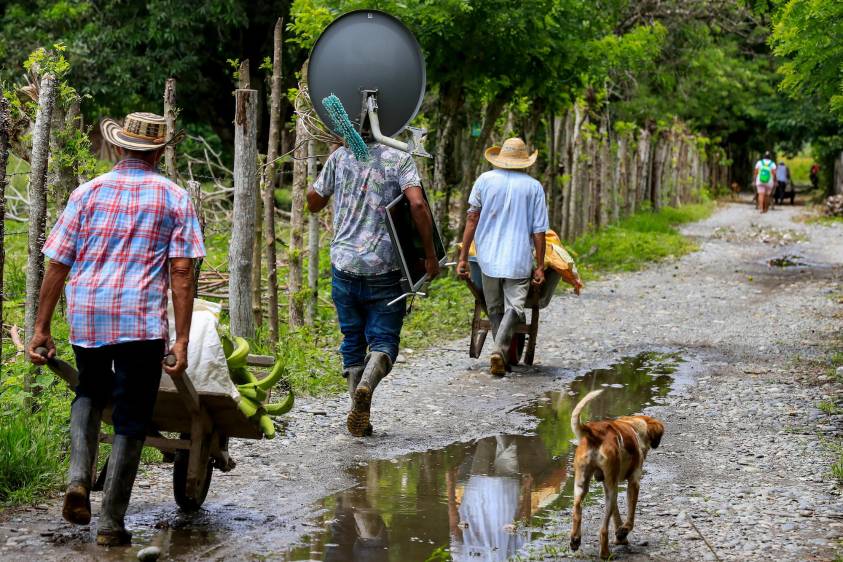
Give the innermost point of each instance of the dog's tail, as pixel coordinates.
(576, 424)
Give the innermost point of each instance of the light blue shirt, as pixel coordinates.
(512, 209)
(782, 173)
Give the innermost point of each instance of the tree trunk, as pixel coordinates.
(243, 217)
(170, 119)
(294, 281)
(312, 243)
(271, 175)
(5, 131)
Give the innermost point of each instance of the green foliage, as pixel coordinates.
(806, 35)
(637, 240)
(32, 456)
(445, 315)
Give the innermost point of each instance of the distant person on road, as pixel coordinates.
(364, 264)
(124, 239)
(782, 182)
(765, 181)
(508, 218)
(815, 176)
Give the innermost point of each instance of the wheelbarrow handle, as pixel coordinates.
(62, 369)
(170, 360)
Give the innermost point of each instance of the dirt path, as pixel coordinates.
(744, 459)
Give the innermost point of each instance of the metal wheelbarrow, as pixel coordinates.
(523, 348)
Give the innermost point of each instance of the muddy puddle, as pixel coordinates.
(788, 261)
(481, 500)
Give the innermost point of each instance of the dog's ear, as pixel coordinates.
(655, 430)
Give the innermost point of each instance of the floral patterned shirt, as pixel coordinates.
(362, 190)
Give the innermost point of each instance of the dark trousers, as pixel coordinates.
(125, 374)
(366, 319)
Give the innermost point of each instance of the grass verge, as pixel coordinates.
(640, 239)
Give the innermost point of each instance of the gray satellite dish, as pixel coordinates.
(373, 64)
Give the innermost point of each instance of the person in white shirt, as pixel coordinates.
(508, 214)
(765, 180)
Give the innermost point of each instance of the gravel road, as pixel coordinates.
(743, 472)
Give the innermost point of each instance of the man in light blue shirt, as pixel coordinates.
(507, 217)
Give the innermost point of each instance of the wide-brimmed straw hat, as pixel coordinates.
(513, 155)
(140, 131)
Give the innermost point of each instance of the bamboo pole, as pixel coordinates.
(243, 217)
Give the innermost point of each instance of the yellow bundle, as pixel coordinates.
(557, 258)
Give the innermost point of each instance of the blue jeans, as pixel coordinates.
(365, 317)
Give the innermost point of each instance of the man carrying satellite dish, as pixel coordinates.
(364, 263)
(386, 78)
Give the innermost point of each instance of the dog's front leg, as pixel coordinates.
(610, 491)
(633, 485)
(581, 482)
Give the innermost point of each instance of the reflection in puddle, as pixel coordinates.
(477, 501)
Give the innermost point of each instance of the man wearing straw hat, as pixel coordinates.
(124, 238)
(507, 217)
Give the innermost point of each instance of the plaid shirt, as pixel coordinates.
(116, 234)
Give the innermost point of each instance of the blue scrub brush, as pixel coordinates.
(343, 126)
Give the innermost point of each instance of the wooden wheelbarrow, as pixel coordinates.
(523, 348)
(204, 422)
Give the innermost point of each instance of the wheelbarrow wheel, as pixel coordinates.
(183, 500)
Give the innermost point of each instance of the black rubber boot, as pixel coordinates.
(84, 433)
(354, 374)
(378, 365)
(122, 469)
(495, 321)
(503, 339)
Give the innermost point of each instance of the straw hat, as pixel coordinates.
(513, 155)
(140, 131)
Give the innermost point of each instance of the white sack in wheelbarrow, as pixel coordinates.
(206, 365)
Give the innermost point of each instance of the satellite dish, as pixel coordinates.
(368, 54)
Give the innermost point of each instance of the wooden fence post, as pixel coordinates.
(38, 200)
(243, 218)
(257, 248)
(194, 188)
(5, 131)
(294, 280)
(271, 180)
(37, 210)
(170, 120)
(312, 244)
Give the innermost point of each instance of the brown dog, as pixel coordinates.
(612, 451)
